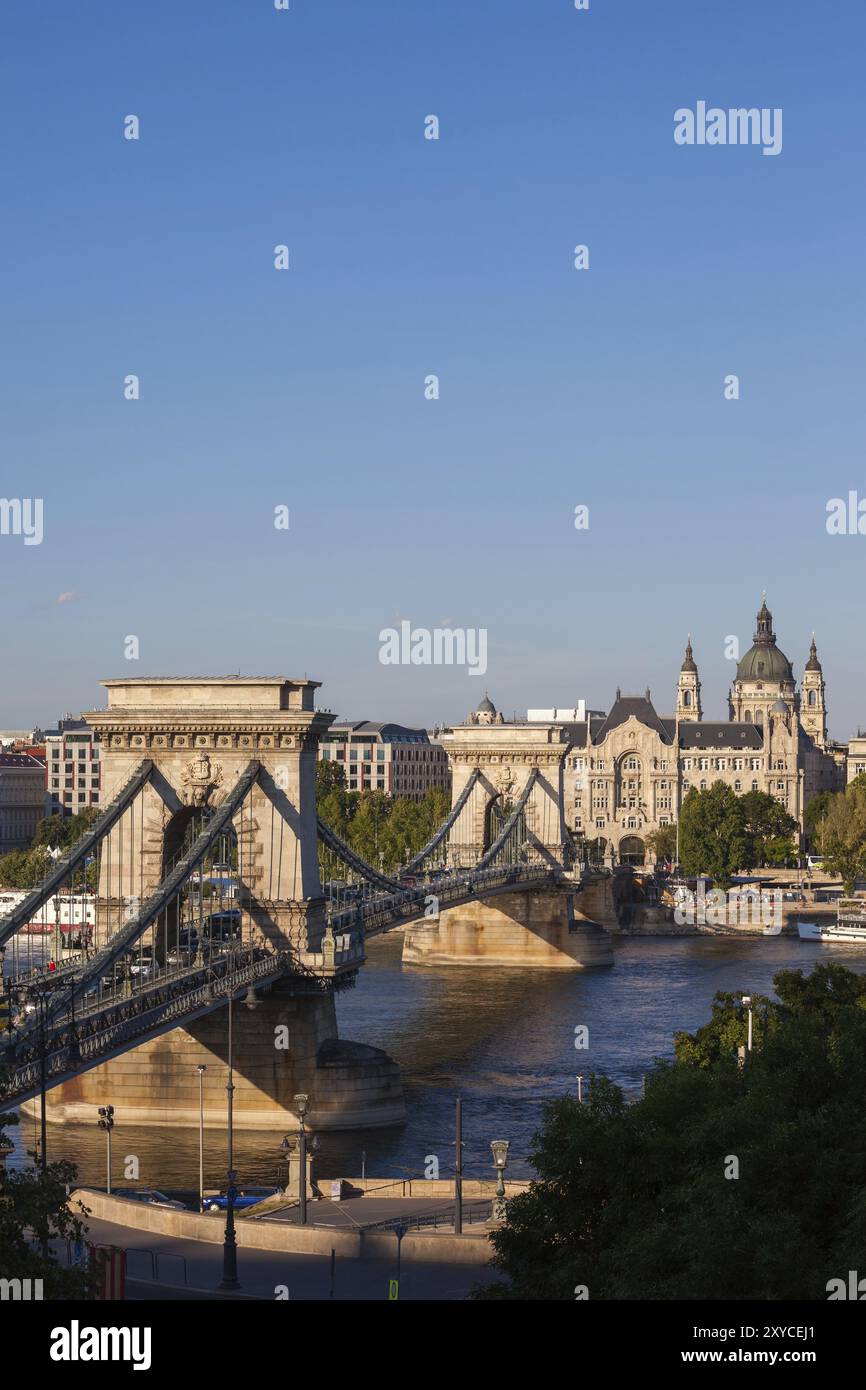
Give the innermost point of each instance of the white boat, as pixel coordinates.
(849, 927)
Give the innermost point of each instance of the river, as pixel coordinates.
(502, 1039)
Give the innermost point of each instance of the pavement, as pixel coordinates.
(167, 1267)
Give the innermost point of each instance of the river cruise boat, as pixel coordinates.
(849, 927)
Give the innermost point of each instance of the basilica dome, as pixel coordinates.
(764, 661)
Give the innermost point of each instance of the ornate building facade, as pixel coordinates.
(625, 774)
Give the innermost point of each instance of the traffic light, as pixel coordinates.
(106, 1117)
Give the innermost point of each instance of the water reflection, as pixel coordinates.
(503, 1039)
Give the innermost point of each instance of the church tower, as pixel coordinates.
(688, 688)
(813, 708)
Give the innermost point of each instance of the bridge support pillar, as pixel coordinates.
(532, 930)
(285, 1044)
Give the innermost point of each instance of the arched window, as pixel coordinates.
(759, 716)
(748, 716)
(813, 697)
(687, 699)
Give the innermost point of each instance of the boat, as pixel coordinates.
(849, 927)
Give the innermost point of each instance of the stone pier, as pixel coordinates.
(530, 930)
(284, 1044)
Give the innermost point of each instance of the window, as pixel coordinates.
(738, 786)
(599, 824)
(813, 698)
(687, 699)
(755, 764)
(632, 765)
(754, 786)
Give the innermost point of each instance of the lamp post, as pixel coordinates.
(201, 1069)
(301, 1107)
(106, 1122)
(458, 1171)
(580, 1090)
(747, 1003)
(230, 1248)
(499, 1149)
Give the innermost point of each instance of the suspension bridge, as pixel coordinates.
(209, 878)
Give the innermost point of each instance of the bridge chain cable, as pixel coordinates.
(447, 825)
(83, 848)
(511, 824)
(333, 841)
(127, 935)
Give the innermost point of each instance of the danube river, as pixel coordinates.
(501, 1039)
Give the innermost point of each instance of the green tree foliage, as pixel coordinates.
(845, 833)
(663, 843)
(713, 835)
(633, 1201)
(813, 819)
(26, 868)
(373, 823)
(33, 1212)
(769, 827)
(62, 832)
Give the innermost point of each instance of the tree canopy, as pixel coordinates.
(723, 1182)
(375, 824)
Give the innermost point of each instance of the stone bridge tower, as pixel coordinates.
(515, 928)
(201, 734)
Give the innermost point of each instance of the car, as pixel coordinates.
(150, 1195)
(246, 1197)
(143, 963)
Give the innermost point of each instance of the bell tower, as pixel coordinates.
(813, 707)
(689, 688)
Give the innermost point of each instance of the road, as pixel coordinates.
(263, 1272)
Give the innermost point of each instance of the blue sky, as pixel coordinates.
(409, 257)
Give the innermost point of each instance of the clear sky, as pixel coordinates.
(408, 257)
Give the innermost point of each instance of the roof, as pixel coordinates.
(21, 760)
(628, 706)
(720, 736)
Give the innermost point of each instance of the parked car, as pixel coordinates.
(246, 1197)
(150, 1195)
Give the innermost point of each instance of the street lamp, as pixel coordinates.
(106, 1122)
(201, 1069)
(499, 1149)
(580, 1090)
(301, 1107)
(230, 1248)
(747, 1003)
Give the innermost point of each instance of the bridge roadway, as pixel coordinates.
(118, 1019)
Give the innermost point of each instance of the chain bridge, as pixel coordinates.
(208, 877)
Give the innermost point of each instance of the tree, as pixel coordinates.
(813, 820)
(723, 1181)
(62, 832)
(845, 833)
(769, 828)
(33, 1212)
(713, 835)
(663, 843)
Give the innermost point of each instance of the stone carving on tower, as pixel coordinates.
(688, 687)
(506, 784)
(201, 778)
